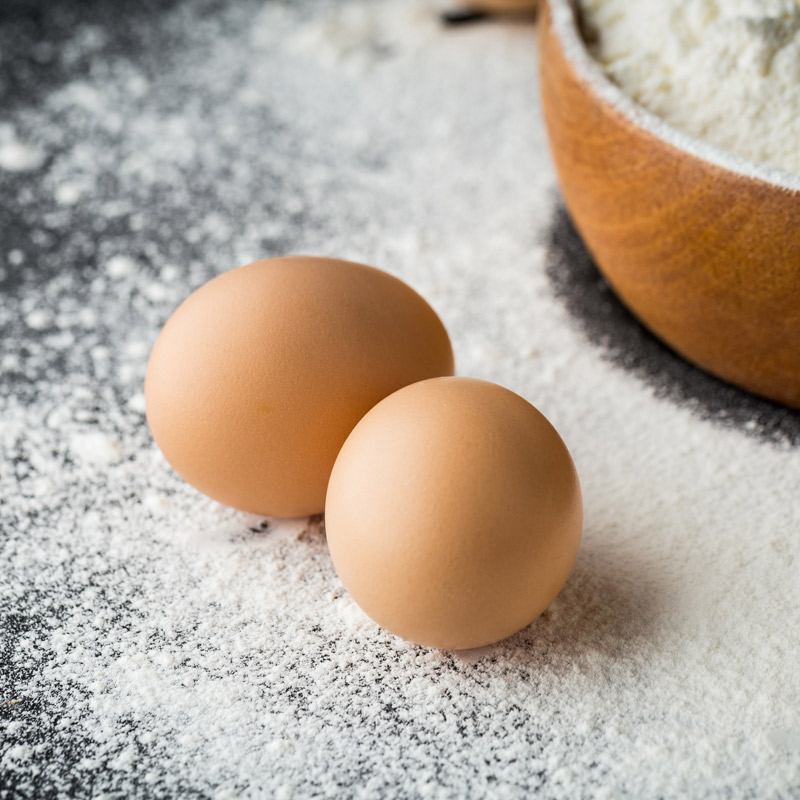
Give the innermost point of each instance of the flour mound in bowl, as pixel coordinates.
(726, 71)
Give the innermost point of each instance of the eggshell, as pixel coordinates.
(259, 376)
(454, 513)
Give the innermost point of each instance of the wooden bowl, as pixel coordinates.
(703, 246)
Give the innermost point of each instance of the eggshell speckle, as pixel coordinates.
(259, 376)
(454, 513)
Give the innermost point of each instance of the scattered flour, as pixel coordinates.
(16, 156)
(726, 71)
(16, 257)
(158, 645)
(96, 448)
(39, 319)
(120, 266)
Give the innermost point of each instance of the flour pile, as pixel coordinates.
(726, 71)
(158, 645)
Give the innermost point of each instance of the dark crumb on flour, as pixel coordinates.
(626, 343)
(463, 16)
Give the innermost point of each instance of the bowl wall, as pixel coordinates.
(706, 257)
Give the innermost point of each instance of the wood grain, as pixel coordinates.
(706, 258)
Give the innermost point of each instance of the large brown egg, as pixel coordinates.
(454, 513)
(259, 376)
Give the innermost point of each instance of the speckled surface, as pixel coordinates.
(157, 645)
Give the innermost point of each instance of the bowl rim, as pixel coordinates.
(565, 27)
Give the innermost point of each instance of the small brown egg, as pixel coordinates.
(259, 376)
(454, 513)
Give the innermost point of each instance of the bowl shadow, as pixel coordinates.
(625, 342)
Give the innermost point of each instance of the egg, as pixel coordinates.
(454, 513)
(258, 377)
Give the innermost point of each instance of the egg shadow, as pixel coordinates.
(611, 604)
(624, 341)
(609, 609)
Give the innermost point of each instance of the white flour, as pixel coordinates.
(726, 71)
(158, 645)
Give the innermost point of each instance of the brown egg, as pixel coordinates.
(259, 376)
(454, 513)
